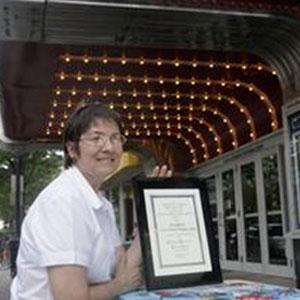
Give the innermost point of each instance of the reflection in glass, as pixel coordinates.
(270, 173)
(253, 253)
(276, 240)
(230, 215)
(251, 221)
(228, 193)
(212, 197)
(213, 210)
(249, 188)
(231, 240)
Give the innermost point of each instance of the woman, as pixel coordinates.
(70, 247)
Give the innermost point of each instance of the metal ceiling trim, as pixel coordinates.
(158, 7)
(7, 144)
(22, 19)
(170, 25)
(35, 18)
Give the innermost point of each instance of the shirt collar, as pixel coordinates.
(96, 200)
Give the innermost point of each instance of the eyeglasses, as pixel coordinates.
(100, 140)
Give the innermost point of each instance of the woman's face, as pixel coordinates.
(99, 149)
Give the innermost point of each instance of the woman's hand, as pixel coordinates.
(134, 252)
(162, 171)
(129, 267)
(128, 275)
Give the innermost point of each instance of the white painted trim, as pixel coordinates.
(212, 165)
(234, 160)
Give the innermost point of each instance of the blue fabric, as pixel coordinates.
(224, 291)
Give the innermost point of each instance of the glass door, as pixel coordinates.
(212, 198)
(296, 171)
(252, 227)
(231, 224)
(251, 233)
(264, 248)
(275, 256)
(241, 217)
(249, 212)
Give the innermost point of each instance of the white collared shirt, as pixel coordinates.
(68, 224)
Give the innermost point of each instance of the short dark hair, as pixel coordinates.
(81, 120)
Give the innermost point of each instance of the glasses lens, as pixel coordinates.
(118, 139)
(123, 139)
(100, 141)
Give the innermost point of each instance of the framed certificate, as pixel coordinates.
(176, 233)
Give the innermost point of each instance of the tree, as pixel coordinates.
(6, 211)
(40, 167)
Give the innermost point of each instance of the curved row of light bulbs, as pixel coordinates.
(69, 104)
(162, 131)
(190, 118)
(203, 108)
(217, 97)
(163, 94)
(178, 126)
(178, 117)
(124, 60)
(158, 132)
(202, 121)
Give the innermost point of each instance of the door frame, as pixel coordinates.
(268, 268)
(254, 151)
(249, 266)
(229, 264)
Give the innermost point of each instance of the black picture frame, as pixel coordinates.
(168, 265)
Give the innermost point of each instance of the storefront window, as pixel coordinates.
(230, 218)
(251, 220)
(212, 198)
(276, 240)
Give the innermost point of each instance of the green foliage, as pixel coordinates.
(40, 167)
(6, 211)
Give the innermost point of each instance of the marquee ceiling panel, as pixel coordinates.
(191, 79)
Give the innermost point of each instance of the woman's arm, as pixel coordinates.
(70, 283)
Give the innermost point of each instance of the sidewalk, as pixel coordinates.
(5, 281)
